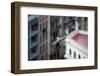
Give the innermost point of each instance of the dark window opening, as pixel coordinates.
(74, 54)
(34, 50)
(35, 58)
(79, 56)
(34, 39)
(34, 27)
(70, 52)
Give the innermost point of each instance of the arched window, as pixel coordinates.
(74, 54)
(70, 52)
(79, 56)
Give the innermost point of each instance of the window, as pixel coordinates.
(46, 55)
(40, 38)
(86, 23)
(34, 39)
(35, 58)
(34, 27)
(52, 25)
(46, 46)
(34, 49)
(43, 48)
(46, 35)
(74, 54)
(44, 25)
(43, 36)
(40, 49)
(64, 47)
(79, 56)
(70, 52)
(42, 58)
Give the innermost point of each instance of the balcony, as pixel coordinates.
(33, 44)
(33, 33)
(34, 56)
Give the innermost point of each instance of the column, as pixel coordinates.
(76, 24)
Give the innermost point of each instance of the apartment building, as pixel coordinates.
(33, 38)
(43, 38)
(56, 31)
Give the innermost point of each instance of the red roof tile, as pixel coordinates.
(82, 39)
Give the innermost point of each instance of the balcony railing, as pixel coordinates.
(33, 44)
(33, 33)
(34, 55)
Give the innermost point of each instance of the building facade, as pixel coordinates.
(77, 40)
